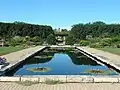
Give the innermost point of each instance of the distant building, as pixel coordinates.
(60, 38)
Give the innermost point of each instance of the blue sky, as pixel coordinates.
(60, 13)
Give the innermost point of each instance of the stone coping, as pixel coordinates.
(101, 59)
(20, 59)
(63, 78)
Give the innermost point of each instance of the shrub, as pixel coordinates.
(36, 39)
(115, 39)
(106, 41)
(38, 43)
(96, 45)
(116, 45)
(104, 44)
(17, 40)
(84, 43)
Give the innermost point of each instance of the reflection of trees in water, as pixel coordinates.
(34, 60)
(77, 57)
(80, 59)
(46, 53)
(59, 49)
(37, 60)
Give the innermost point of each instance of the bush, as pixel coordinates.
(116, 45)
(36, 39)
(115, 39)
(13, 43)
(38, 43)
(106, 41)
(17, 40)
(84, 43)
(104, 44)
(96, 45)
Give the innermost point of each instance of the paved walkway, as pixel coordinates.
(109, 57)
(22, 54)
(68, 86)
(16, 57)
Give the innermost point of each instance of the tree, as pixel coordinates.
(17, 22)
(70, 40)
(98, 23)
(22, 29)
(95, 29)
(51, 39)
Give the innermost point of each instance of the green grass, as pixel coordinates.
(6, 50)
(111, 50)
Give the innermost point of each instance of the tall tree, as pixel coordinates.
(51, 39)
(70, 40)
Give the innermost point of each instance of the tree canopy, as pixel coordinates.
(95, 29)
(51, 39)
(41, 33)
(8, 30)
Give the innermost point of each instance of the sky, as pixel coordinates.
(60, 13)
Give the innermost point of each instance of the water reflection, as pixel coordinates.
(80, 59)
(43, 57)
(37, 60)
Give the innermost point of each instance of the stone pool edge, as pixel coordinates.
(63, 78)
(21, 59)
(99, 59)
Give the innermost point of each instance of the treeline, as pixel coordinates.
(94, 34)
(25, 34)
(97, 34)
(95, 29)
(9, 30)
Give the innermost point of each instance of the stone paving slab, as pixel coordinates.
(110, 57)
(16, 57)
(66, 86)
(107, 57)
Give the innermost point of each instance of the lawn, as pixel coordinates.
(111, 50)
(6, 50)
